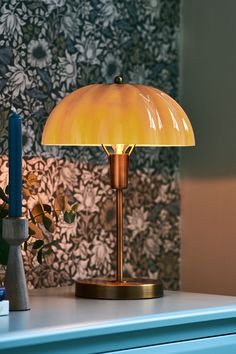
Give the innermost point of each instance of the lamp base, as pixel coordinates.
(111, 289)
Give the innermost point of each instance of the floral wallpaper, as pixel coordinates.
(49, 48)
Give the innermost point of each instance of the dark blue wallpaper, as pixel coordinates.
(49, 48)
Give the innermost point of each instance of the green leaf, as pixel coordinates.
(40, 256)
(74, 207)
(69, 217)
(56, 216)
(47, 223)
(48, 251)
(4, 248)
(47, 208)
(38, 244)
(35, 231)
(53, 243)
(47, 248)
(32, 218)
(25, 246)
(3, 212)
(3, 196)
(4, 251)
(7, 190)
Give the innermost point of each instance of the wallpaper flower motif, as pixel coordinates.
(49, 48)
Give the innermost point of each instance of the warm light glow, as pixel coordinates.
(119, 148)
(118, 115)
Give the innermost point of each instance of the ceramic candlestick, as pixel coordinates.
(15, 232)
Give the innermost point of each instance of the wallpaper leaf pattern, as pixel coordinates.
(49, 48)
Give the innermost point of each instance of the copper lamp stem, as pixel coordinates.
(119, 234)
(120, 288)
(119, 181)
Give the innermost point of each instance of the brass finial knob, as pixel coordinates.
(118, 79)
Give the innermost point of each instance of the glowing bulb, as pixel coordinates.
(120, 148)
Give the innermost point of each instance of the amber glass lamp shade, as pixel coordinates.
(118, 116)
(113, 114)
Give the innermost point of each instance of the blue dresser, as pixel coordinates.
(177, 323)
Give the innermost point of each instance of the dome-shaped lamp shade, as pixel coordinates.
(118, 114)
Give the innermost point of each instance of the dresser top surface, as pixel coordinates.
(57, 311)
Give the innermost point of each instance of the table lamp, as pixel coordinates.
(118, 117)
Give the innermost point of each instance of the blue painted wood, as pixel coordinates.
(60, 323)
(213, 345)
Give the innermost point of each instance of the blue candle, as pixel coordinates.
(15, 165)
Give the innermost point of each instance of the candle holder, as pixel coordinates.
(15, 232)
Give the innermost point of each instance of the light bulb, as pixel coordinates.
(120, 148)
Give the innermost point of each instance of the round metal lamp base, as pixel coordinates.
(111, 289)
